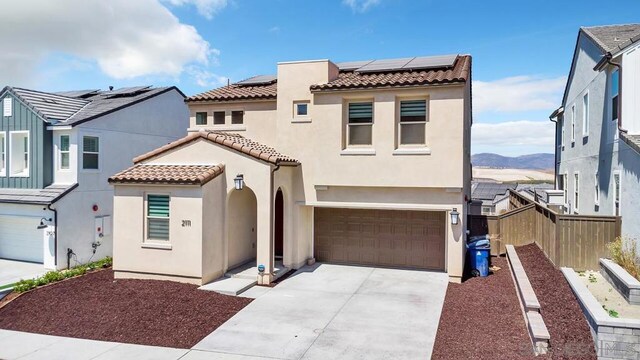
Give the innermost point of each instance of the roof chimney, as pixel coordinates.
(110, 88)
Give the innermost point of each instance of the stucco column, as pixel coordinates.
(456, 245)
(264, 243)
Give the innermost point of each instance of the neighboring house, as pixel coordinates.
(487, 193)
(598, 126)
(57, 151)
(357, 163)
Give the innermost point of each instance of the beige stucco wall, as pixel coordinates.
(179, 257)
(259, 118)
(242, 213)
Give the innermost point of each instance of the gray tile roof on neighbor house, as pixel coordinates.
(489, 190)
(632, 140)
(48, 195)
(75, 107)
(613, 38)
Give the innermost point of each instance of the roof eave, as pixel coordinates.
(361, 88)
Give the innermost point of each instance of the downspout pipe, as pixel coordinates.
(272, 216)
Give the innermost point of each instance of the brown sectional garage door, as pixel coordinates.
(395, 238)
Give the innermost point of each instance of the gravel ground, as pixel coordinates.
(570, 335)
(147, 312)
(481, 319)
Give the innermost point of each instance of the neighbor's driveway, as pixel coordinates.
(338, 312)
(12, 271)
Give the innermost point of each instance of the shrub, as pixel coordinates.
(54, 276)
(624, 253)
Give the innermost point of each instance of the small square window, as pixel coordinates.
(302, 109)
(237, 117)
(218, 117)
(201, 118)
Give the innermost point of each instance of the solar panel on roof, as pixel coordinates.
(384, 65)
(78, 93)
(128, 90)
(352, 65)
(258, 80)
(426, 62)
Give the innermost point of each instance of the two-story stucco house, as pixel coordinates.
(362, 162)
(57, 151)
(598, 126)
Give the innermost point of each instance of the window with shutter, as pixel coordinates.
(413, 121)
(360, 123)
(158, 217)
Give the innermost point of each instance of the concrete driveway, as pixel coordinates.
(338, 312)
(12, 271)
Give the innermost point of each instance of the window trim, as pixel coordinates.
(82, 152)
(224, 117)
(618, 192)
(399, 123)
(563, 133)
(566, 189)
(576, 191)
(617, 95)
(573, 124)
(585, 114)
(60, 152)
(25, 172)
(3, 153)
(148, 242)
(596, 189)
(206, 118)
(348, 125)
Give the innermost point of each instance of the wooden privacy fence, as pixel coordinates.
(574, 241)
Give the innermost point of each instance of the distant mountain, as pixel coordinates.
(531, 161)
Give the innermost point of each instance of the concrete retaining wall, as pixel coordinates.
(619, 278)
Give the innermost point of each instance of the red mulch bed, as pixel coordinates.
(481, 319)
(570, 335)
(148, 312)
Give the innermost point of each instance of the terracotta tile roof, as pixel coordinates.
(168, 174)
(232, 141)
(459, 73)
(237, 92)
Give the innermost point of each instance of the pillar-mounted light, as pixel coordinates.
(455, 216)
(239, 181)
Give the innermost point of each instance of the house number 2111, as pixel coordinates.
(186, 223)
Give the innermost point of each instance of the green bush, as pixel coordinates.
(623, 252)
(54, 276)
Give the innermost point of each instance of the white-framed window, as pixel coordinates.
(617, 190)
(585, 115)
(565, 189)
(576, 192)
(562, 133)
(19, 153)
(573, 123)
(412, 123)
(7, 106)
(201, 118)
(301, 109)
(614, 91)
(3, 154)
(219, 117)
(64, 153)
(597, 189)
(360, 124)
(486, 210)
(90, 152)
(157, 217)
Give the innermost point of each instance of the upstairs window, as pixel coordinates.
(19, 152)
(64, 152)
(90, 153)
(218, 117)
(300, 109)
(585, 115)
(237, 117)
(3, 154)
(573, 123)
(615, 88)
(360, 123)
(562, 134)
(158, 217)
(201, 118)
(413, 121)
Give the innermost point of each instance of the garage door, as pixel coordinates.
(411, 239)
(20, 240)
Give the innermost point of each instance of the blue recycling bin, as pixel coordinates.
(478, 252)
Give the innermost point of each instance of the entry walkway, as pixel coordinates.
(12, 271)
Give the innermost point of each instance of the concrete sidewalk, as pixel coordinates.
(22, 345)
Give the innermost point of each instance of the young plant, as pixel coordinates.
(624, 253)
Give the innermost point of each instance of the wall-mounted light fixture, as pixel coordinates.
(42, 223)
(239, 181)
(455, 216)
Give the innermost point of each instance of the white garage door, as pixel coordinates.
(20, 239)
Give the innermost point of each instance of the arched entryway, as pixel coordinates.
(278, 237)
(243, 219)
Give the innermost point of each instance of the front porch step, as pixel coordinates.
(230, 286)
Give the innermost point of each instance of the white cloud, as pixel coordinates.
(274, 29)
(206, 8)
(360, 5)
(514, 133)
(126, 39)
(518, 94)
(206, 78)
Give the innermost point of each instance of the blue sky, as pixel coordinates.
(521, 49)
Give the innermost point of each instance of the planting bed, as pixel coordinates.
(148, 312)
(481, 319)
(569, 330)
